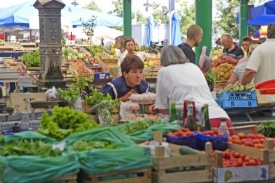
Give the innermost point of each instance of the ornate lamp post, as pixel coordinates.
(50, 43)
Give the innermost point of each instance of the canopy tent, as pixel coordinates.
(261, 15)
(20, 15)
(102, 19)
(99, 32)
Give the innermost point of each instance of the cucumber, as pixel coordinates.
(185, 150)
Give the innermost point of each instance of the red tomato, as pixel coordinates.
(249, 143)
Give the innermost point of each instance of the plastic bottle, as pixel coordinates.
(173, 111)
(190, 121)
(223, 129)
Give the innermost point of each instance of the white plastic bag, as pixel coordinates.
(205, 61)
(52, 94)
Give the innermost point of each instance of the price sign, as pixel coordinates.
(21, 101)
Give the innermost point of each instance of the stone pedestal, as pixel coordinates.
(50, 43)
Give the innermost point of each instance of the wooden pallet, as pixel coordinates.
(161, 164)
(143, 176)
(67, 179)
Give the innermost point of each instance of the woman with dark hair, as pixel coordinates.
(130, 47)
(130, 82)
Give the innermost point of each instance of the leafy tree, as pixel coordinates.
(157, 13)
(187, 13)
(88, 28)
(227, 14)
(118, 11)
(93, 6)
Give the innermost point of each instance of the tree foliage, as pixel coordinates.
(226, 16)
(118, 11)
(92, 6)
(187, 13)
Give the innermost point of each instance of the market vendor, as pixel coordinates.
(230, 48)
(130, 82)
(120, 46)
(179, 80)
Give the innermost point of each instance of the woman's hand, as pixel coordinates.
(153, 110)
(125, 98)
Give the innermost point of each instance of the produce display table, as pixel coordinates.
(249, 115)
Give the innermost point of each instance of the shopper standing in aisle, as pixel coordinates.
(245, 43)
(239, 70)
(121, 50)
(130, 47)
(261, 64)
(230, 48)
(178, 80)
(194, 37)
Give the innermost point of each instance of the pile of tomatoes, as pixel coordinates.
(184, 132)
(81, 70)
(251, 140)
(235, 159)
(213, 133)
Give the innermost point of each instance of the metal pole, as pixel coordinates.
(243, 20)
(127, 18)
(203, 13)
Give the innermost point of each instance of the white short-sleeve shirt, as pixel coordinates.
(262, 60)
(185, 82)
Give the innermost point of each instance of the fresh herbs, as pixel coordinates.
(134, 127)
(71, 94)
(64, 122)
(267, 128)
(32, 59)
(28, 147)
(85, 145)
(96, 97)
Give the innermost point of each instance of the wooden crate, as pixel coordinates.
(148, 72)
(74, 71)
(161, 164)
(67, 179)
(109, 65)
(267, 155)
(26, 68)
(143, 176)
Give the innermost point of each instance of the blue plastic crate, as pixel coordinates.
(232, 100)
(101, 75)
(190, 141)
(218, 143)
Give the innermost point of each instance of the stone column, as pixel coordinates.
(50, 43)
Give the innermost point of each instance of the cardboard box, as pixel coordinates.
(265, 100)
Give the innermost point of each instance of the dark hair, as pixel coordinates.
(247, 39)
(129, 40)
(131, 62)
(271, 31)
